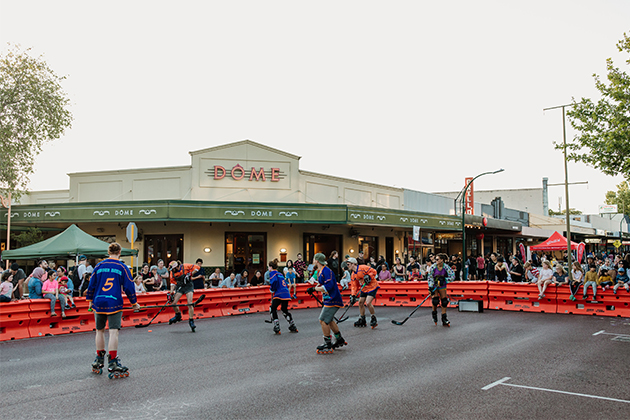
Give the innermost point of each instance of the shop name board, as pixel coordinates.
(238, 173)
(469, 197)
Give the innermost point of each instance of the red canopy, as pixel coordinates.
(556, 242)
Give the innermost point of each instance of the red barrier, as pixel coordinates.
(42, 323)
(210, 307)
(143, 316)
(468, 290)
(14, 320)
(521, 297)
(245, 300)
(406, 293)
(606, 304)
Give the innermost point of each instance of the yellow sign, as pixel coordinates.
(617, 244)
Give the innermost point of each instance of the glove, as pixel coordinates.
(310, 290)
(353, 300)
(366, 279)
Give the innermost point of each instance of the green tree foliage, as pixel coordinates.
(33, 110)
(29, 237)
(563, 212)
(621, 197)
(604, 126)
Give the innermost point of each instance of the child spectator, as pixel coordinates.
(346, 278)
(605, 279)
(290, 277)
(139, 285)
(578, 275)
(66, 291)
(560, 277)
(590, 280)
(544, 278)
(414, 275)
(6, 288)
(622, 280)
(50, 290)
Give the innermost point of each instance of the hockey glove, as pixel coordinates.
(353, 300)
(366, 279)
(310, 290)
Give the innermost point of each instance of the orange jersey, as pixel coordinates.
(182, 271)
(357, 279)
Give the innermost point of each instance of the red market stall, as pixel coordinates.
(556, 242)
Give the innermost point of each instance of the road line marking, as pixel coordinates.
(501, 382)
(599, 332)
(493, 384)
(615, 334)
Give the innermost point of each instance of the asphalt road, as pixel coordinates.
(236, 368)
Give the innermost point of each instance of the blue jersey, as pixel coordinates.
(278, 286)
(332, 297)
(109, 279)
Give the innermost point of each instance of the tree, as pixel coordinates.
(621, 198)
(563, 212)
(604, 127)
(33, 110)
(28, 237)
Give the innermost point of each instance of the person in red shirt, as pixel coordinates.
(182, 284)
(363, 282)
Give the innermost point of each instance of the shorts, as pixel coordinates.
(372, 293)
(440, 284)
(185, 288)
(328, 314)
(113, 320)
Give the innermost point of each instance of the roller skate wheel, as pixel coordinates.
(126, 374)
(110, 376)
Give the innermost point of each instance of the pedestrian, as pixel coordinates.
(364, 283)
(331, 302)
(439, 276)
(481, 267)
(279, 297)
(182, 284)
(104, 294)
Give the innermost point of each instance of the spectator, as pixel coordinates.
(372, 263)
(399, 270)
(198, 275)
(560, 277)
(360, 259)
(163, 273)
(544, 278)
(412, 264)
(82, 267)
(286, 269)
(290, 278)
(139, 286)
(35, 283)
(605, 278)
(607, 265)
(6, 288)
(456, 266)
(384, 274)
(242, 279)
(516, 272)
(50, 289)
(333, 263)
(216, 278)
(266, 276)
(18, 281)
(578, 274)
(500, 270)
(531, 272)
(66, 289)
(622, 280)
(590, 280)
(157, 279)
(148, 280)
(490, 264)
(300, 267)
(258, 279)
(346, 278)
(481, 267)
(229, 282)
(381, 261)
(415, 274)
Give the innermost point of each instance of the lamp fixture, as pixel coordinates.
(351, 250)
(207, 250)
(283, 250)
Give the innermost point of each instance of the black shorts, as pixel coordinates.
(185, 288)
(114, 321)
(372, 293)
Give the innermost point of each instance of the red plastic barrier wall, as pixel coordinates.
(14, 320)
(606, 304)
(521, 297)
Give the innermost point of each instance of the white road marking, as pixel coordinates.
(599, 332)
(615, 334)
(502, 382)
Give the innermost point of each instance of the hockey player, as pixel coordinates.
(182, 284)
(104, 292)
(280, 297)
(439, 275)
(363, 281)
(327, 285)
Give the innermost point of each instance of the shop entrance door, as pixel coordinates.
(245, 251)
(320, 243)
(163, 247)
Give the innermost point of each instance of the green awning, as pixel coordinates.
(68, 244)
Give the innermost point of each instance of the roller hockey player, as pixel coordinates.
(363, 281)
(109, 278)
(331, 302)
(439, 275)
(280, 297)
(181, 284)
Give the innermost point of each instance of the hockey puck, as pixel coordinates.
(150, 330)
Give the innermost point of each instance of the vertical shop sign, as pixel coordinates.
(469, 198)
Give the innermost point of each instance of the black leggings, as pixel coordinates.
(284, 307)
(574, 286)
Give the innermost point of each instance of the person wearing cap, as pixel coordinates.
(182, 284)
(364, 283)
(331, 302)
(622, 280)
(18, 280)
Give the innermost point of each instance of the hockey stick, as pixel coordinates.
(350, 305)
(195, 303)
(417, 307)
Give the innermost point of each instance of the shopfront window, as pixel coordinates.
(163, 247)
(369, 246)
(321, 243)
(245, 251)
(504, 245)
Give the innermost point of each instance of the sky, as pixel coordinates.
(413, 94)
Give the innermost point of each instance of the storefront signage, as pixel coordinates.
(469, 197)
(238, 173)
(607, 208)
(592, 240)
(368, 216)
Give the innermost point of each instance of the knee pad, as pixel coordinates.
(287, 316)
(435, 300)
(445, 302)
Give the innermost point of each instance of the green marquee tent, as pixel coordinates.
(68, 244)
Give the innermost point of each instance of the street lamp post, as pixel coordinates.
(464, 257)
